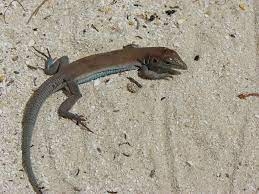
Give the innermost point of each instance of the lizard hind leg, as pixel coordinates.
(53, 65)
(73, 95)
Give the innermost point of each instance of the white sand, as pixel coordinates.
(201, 137)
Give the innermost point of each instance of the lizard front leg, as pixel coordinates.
(145, 73)
(156, 68)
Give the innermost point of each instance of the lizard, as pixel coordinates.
(153, 63)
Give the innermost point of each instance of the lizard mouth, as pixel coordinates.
(168, 65)
(164, 69)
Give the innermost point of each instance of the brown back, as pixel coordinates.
(110, 59)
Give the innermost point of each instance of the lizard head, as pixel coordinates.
(171, 59)
(165, 62)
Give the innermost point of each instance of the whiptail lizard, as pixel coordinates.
(151, 63)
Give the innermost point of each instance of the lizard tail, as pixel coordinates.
(32, 108)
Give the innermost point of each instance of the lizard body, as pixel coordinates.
(151, 63)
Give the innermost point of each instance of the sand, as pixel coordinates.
(191, 133)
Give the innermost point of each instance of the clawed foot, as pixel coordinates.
(79, 120)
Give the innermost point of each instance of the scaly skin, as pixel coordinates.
(151, 62)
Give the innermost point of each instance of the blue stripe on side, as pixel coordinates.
(105, 73)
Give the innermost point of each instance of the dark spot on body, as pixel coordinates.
(154, 60)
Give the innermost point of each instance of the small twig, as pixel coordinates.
(134, 81)
(9, 5)
(244, 96)
(32, 67)
(36, 10)
(125, 143)
(34, 81)
(112, 192)
(93, 26)
(127, 155)
(138, 24)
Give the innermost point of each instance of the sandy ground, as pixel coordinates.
(191, 133)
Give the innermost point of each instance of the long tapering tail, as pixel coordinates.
(32, 109)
